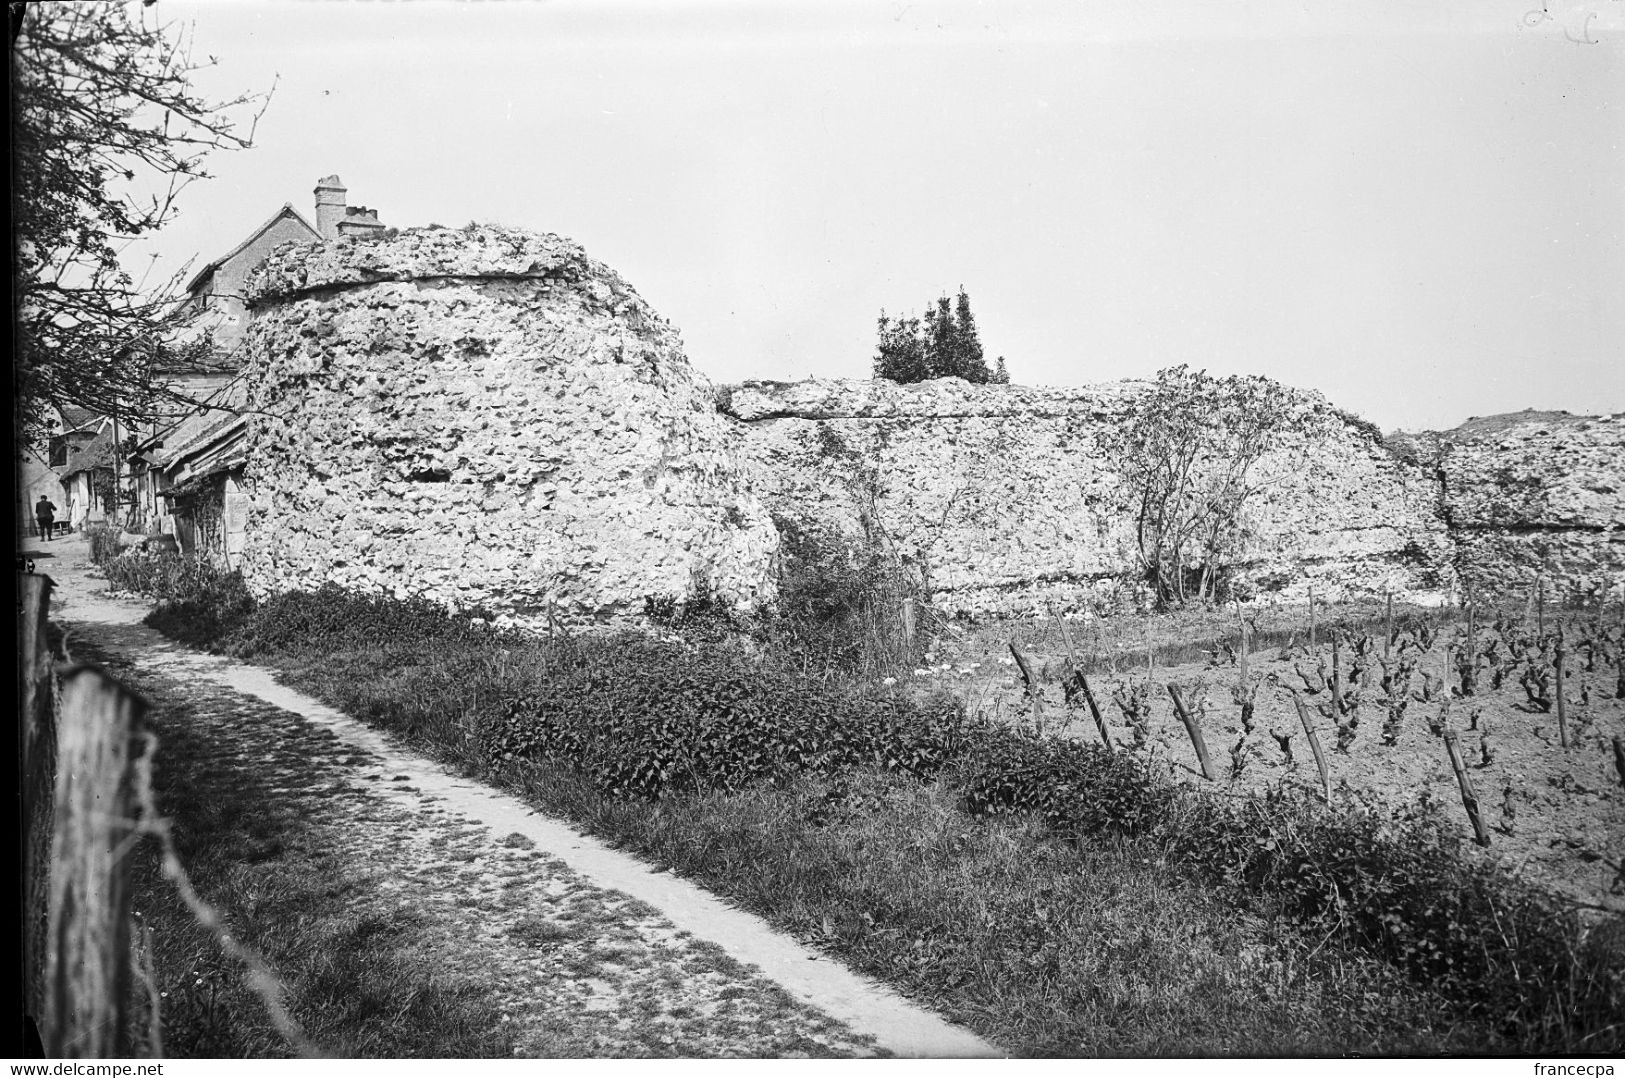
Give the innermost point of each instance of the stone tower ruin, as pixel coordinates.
(491, 420)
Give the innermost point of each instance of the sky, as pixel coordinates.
(1416, 208)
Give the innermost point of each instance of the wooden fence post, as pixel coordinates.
(1469, 799)
(908, 622)
(95, 831)
(37, 719)
(1192, 729)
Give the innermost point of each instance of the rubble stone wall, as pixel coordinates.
(1542, 496)
(1005, 499)
(492, 420)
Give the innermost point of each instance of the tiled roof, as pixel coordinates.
(96, 453)
(200, 429)
(286, 210)
(75, 417)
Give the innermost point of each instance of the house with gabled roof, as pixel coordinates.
(184, 471)
(214, 313)
(87, 477)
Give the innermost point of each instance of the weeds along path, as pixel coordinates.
(583, 951)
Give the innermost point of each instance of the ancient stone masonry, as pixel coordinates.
(492, 420)
(1005, 500)
(1537, 493)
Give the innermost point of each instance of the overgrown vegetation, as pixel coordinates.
(843, 605)
(633, 736)
(196, 590)
(1189, 448)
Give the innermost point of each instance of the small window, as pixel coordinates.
(59, 451)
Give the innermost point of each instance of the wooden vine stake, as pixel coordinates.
(1066, 637)
(1469, 799)
(1337, 674)
(1194, 730)
(1242, 618)
(1469, 674)
(1082, 682)
(1311, 617)
(1388, 634)
(1314, 746)
(1032, 687)
(97, 808)
(1562, 708)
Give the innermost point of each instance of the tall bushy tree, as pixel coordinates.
(901, 353)
(943, 344)
(1189, 449)
(968, 359)
(107, 131)
(942, 341)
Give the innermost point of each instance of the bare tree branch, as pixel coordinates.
(107, 132)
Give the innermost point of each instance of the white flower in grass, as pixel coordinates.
(888, 681)
(921, 673)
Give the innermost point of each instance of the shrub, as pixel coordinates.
(706, 618)
(1077, 789)
(104, 546)
(641, 717)
(841, 601)
(334, 617)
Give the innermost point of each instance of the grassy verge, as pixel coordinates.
(1086, 910)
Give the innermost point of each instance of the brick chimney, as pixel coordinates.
(330, 204)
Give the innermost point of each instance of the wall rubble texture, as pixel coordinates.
(1004, 497)
(1537, 492)
(492, 420)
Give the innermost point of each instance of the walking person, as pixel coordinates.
(44, 516)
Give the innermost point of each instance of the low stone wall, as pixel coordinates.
(490, 419)
(1537, 495)
(1005, 499)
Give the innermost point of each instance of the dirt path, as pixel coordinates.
(596, 953)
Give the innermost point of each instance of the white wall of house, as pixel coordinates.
(234, 522)
(83, 506)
